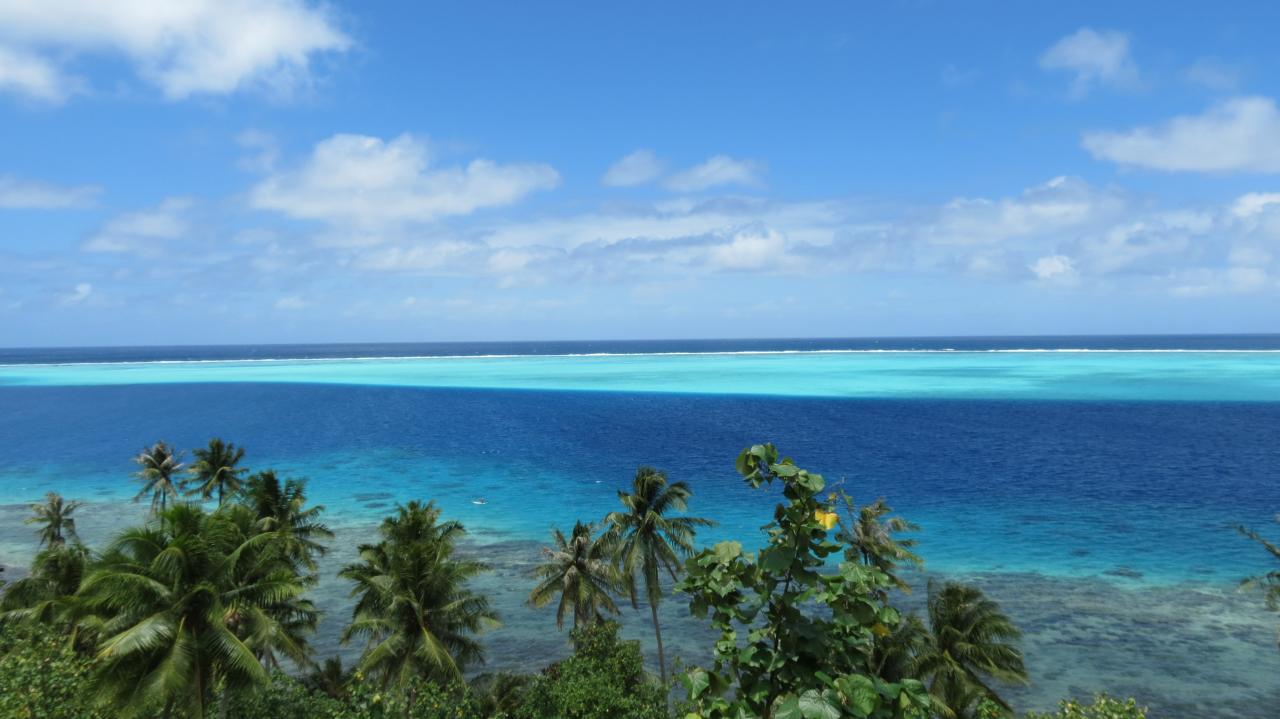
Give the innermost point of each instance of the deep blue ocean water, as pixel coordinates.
(1052, 502)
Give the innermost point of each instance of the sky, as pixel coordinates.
(249, 171)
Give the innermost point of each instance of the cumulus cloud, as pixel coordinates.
(16, 194)
(1059, 204)
(367, 184)
(143, 233)
(1238, 135)
(1094, 57)
(750, 250)
(184, 48)
(638, 168)
(1053, 267)
(717, 171)
(34, 77)
(78, 295)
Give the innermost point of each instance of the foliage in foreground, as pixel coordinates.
(41, 677)
(1103, 707)
(604, 678)
(188, 614)
(810, 635)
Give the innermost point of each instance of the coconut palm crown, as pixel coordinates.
(54, 516)
(580, 569)
(648, 541)
(281, 508)
(159, 467)
(187, 605)
(413, 608)
(970, 642)
(216, 470)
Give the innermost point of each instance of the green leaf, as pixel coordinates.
(785, 470)
(787, 707)
(696, 682)
(814, 705)
(859, 693)
(728, 551)
(776, 559)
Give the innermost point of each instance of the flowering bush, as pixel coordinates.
(809, 633)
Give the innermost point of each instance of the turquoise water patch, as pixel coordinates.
(1053, 375)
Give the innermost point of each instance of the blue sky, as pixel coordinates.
(281, 171)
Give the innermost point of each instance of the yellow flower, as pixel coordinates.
(826, 519)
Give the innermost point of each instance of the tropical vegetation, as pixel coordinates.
(649, 541)
(580, 570)
(205, 611)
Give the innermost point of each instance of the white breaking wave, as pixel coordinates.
(395, 358)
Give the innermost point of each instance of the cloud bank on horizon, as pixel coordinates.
(295, 171)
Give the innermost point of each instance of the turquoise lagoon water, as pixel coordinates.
(1091, 491)
(1222, 375)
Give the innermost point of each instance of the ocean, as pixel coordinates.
(1089, 484)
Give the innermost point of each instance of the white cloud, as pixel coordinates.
(143, 233)
(18, 194)
(1255, 203)
(638, 168)
(1094, 57)
(1053, 267)
(750, 250)
(34, 77)
(1057, 205)
(1238, 135)
(367, 185)
(292, 302)
(715, 172)
(184, 48)
(81, 293)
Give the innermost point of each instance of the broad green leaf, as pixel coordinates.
(813, 705)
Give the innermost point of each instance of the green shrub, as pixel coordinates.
(421, 699)
(796, 640)
(41, 677)
(604, 679)
(1103, 707)
(283, 698)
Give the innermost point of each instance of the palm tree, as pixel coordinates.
(969, 640)
(581, 570)
(55, 515)
(412, 604)
(215, 469)
(47, 595)
(330, 678)
(184, 606)
(159, 466)
(283, 510)
(646, 540)
(500, 695)
(1269, 583)
(869, 536)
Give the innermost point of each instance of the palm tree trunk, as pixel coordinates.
(657, 632)
(200, 693)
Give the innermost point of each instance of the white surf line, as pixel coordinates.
(392, 358)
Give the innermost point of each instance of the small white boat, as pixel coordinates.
(480, 500)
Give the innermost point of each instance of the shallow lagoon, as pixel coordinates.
(1091, 493)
